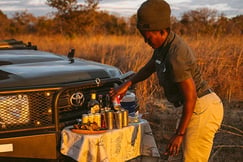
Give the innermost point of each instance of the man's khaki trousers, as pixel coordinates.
(205, 122)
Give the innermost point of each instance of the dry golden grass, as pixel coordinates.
(221, 62)
(220, 58)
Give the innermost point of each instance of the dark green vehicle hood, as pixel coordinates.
(26, 68)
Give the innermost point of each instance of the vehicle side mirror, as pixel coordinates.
(127, 75)
(71, 55)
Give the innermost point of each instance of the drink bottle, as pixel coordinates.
(93, 104)
(107, 102)
(101, 103)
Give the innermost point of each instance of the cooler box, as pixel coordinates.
(129, 102)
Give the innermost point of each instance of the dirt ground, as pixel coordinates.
(228, 143)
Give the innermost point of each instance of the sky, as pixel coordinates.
(127, 8)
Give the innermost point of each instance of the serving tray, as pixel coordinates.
(83, 131)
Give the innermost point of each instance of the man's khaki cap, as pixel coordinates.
(153, 15)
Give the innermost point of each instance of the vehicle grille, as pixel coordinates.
(35, 109)
(67, 111)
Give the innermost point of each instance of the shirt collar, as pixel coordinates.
(168, 40)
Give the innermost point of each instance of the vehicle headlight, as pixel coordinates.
(14, 110)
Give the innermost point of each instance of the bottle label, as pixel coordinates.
(116, 103)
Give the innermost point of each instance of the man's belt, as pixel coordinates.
(205, 93)
(208, 91)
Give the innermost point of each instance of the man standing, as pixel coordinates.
(180, 77)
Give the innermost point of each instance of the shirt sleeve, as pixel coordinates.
(145, 71)
(182, 60)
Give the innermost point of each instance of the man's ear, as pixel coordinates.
(162, 32)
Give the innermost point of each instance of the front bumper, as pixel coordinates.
(35, 146)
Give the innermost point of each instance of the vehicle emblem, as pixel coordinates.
(97, 81)
(77, 99)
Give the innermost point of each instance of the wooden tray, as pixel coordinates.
(82, 131)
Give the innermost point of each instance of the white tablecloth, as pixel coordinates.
(117, 145)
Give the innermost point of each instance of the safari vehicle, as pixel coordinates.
(41, 93)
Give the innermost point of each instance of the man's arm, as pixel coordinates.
(190, 96)
(144, 72)
(141, 75)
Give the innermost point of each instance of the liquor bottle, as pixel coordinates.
(107, 102)
(93, 104)
(102, 112)
(103, 119)
(101, 104)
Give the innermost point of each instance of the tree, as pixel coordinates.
(4, 24)
(73, 18)
(45, 26)
(67, 6)
(237, 23)
(132, 25)
(22, 22)
(63, 6)
(199, 21)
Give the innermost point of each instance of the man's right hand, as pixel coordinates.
(120, 90)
